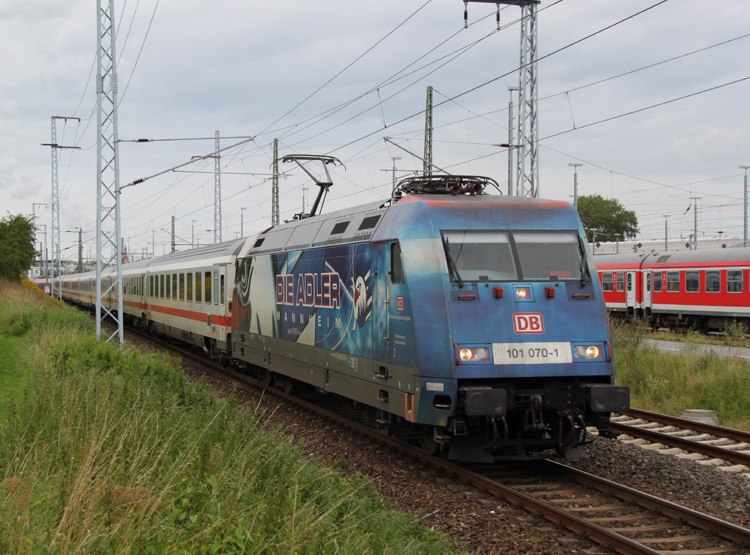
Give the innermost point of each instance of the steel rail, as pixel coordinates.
(590, 530)
(737, 435)
(700, 520)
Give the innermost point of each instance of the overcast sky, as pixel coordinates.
(336, 77)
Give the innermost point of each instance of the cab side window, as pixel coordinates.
(397, 267)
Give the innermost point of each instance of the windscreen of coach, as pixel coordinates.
(549, 256)
(480, 255)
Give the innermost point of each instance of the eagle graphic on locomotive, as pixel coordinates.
(472, 319)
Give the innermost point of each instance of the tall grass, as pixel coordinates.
(114, 451)
(669, 383)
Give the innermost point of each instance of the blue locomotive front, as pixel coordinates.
(472, 319)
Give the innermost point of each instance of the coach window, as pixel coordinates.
(397, 268)
(692, 282)
(713, 282)
(630, 281)
(620, 281)
(673, 282)
(207, 296)
(169, 287)
(657, 282)
(221, 280)
(162, 291)
(734, 281)
(197, 287)
(182, 286)
(607, 283)
(174, 287)
(190, 287)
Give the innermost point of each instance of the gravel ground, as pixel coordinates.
(480, 523)
(702, 488)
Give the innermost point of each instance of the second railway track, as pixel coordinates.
(681, 436)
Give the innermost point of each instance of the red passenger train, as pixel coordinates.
(704, 290)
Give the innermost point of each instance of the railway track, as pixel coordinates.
(620, 518)
(708, 444)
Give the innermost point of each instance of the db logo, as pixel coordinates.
(528, 323)
(400, 303)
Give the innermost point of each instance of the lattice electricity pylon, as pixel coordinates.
(527, 175)
(275, 185)
(427, 162)
(108, 229)
(56, 289)
(527, 143)
(217, 191)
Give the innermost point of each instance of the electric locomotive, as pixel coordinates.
(475, 320)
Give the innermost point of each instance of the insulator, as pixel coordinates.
(498, 17)
(466, 14)
(455, 189)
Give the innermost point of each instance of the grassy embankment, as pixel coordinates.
(669, 383)
(111, 451)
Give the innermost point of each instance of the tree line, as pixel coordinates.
(16, 246)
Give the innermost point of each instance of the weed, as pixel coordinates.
(669, 383)
(735, 332)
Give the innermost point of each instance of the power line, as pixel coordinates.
(647, 107)
(347, 67)
(495, 79)
(139, 53)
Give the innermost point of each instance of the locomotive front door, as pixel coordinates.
(630, 289)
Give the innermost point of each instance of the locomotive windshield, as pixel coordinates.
(479, 255)
(549, 256)
(518, 256)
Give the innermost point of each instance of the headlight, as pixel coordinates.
(523, 293)
(474, 354)
(589, 352)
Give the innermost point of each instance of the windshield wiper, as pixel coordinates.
(584, 262)
(452, 263)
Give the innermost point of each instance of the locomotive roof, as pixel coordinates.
(349, 225)
(361, 223)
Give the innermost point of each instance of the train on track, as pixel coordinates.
(471, 320)
(706, 290)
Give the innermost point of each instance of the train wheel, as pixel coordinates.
(427, 440)
(265, 376)
(287, 385)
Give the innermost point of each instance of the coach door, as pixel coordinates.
(221, 291)
(630, 291)
(381, 309)
(647, 287)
